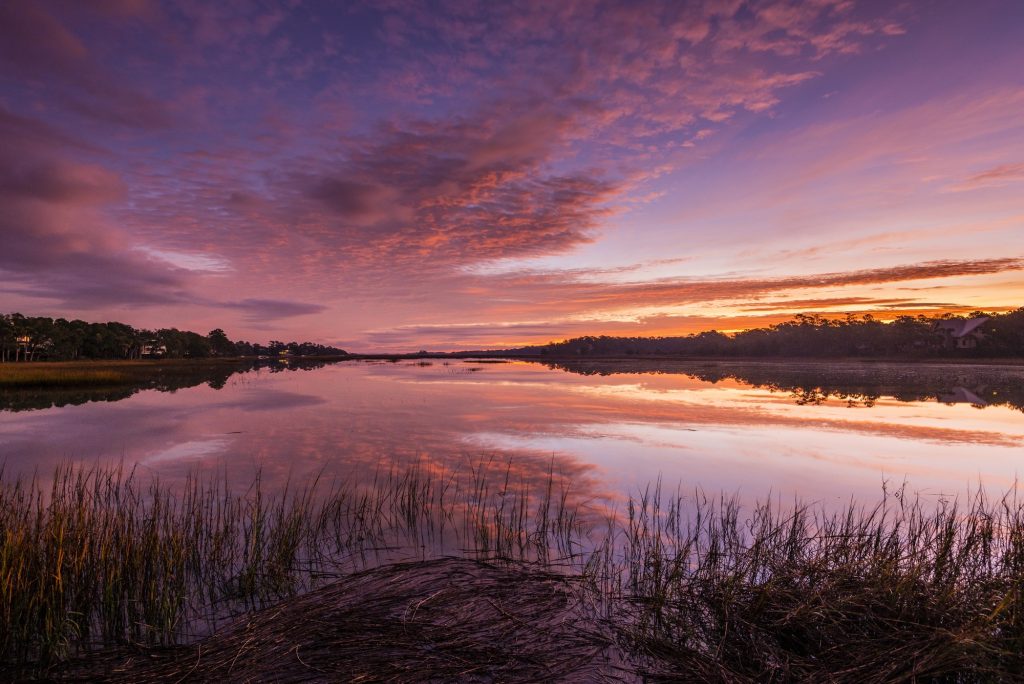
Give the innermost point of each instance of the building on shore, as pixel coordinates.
(960, 333)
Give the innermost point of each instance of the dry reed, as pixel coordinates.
(676, 588)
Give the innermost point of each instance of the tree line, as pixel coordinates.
(38, 338)
(1000, 335)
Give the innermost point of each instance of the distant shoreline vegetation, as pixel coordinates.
(979, 335)
(37, 338)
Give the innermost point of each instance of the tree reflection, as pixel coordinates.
(858, 385)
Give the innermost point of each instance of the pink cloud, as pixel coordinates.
(578, 296)
(997, 176)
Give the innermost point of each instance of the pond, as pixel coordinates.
(818, 432)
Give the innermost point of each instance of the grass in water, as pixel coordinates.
(103, 560)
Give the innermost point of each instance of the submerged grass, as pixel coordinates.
(439, 620)
(687, 587)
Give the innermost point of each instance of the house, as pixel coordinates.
(152, 350)
(962, 395)
(960, 333)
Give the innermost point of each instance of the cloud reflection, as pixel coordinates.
(605, 434)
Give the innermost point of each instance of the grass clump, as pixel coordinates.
(903, 592)
(441, 620)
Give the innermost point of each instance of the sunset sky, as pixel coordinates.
(449, 175)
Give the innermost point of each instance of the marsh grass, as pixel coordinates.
(692, 587)
(41, 376)
(447, 619)
(902, 591)
(103, 373)
(105, 557)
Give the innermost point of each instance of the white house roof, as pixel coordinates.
(962, 395)
(960, 328)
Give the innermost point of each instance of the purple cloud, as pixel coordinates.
(271, 309)
(389, 165)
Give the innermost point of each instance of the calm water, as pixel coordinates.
(820, 432)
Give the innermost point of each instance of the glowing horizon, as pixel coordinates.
(463, 175)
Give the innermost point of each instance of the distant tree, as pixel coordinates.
(811, 335)
(244, 349)
(1004, 335)
(7, 339)
(33, 336)
(219, 343)
(196, 346)
(26, 338)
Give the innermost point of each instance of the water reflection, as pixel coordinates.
(168, 379)
(855, 383)
(608, 428)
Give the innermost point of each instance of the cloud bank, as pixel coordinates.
(362, 172)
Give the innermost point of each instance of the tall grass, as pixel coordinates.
(695, 587)
(105, 556)
(896, 592)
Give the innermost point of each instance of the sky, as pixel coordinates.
(397, 175)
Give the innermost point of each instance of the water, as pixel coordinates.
(822, 432)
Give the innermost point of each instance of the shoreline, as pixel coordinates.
(852, 360)
(140, 373)
(105, 372)
(229, 360)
